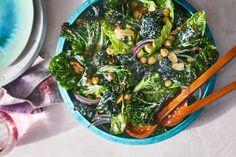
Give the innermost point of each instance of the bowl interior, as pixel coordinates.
(68, 96)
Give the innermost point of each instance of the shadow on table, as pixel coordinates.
(214, 111)
(221, 106)
(58, 120)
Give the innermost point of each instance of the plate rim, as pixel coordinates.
(132, 141)
(32, 48)
(17, 50)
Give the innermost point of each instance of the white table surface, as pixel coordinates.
(213, 134)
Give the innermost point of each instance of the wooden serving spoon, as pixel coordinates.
(145, 131)
(184, 110)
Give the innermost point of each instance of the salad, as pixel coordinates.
(125, 59)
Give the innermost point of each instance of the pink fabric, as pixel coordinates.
(31, 92)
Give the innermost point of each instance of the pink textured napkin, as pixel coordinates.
(35, 89)
(23, 101)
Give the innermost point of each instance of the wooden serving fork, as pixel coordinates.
(179, 102)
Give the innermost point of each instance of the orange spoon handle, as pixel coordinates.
(209, 99)
(196, 84)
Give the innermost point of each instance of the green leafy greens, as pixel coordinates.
(102, 60)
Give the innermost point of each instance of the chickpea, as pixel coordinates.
(140, 54)
(143, 60)
(89, 82)
(166, 12)
(152, 8)
(164, 52)
(177, 30)
(172, 57)
(178, 66)
(159, 57)
(78, 68)
(167, 83)
(168, 43)
(148, 48)
(165, 19)
(171, 38)
(137, 14)
(127, 97)
(95, 80)
(119, 98)
(152, 60)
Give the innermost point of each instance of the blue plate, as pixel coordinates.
(16, 20)
(68, 98)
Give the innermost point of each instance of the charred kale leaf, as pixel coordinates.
(60, 67)
(118, 13)
(181, 15)
(120, 78)
(151, 25)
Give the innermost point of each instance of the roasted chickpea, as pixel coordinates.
(95, 80)
(168, 43)
(140, 54)
(159, 57)
(172, 57)
(165, 19)
(89, 82)
(143, 60)
(178, 66)
(148, 48)
(152, 60)
(167, 83)
(164, 52)
(137, 14)
(171, 38)
(166, 12)
(127, 97)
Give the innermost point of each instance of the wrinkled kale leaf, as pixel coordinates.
(120, 78)
(107, 104)
(118, 122)
(181, 16)
(192, 29)
(165, 4)
(94, 90)
(117, 46)
(151, 25)
(118, 13)
(61, 68)
(87, 111)
(141, 112)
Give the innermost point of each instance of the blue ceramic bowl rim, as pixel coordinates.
(131, 141)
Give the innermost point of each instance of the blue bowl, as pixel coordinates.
(68, 97)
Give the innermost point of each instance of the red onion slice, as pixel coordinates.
(140, 45)
(86, 101)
